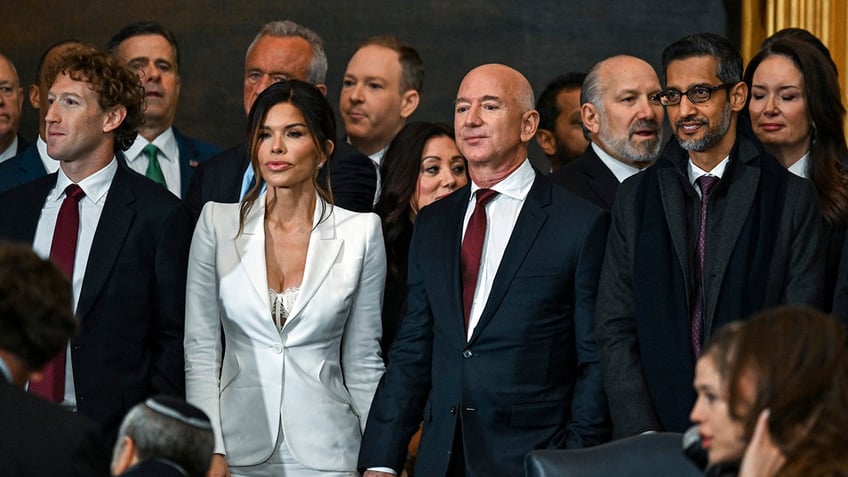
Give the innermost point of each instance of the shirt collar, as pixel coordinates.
(95, 186)
(50, 165)
(10, 151)
(377, 157)
(695, 172)
(166, 142)
(516, 185)
(619, 169)
(801, 166)
(4, 369)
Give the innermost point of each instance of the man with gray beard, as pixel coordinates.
(622, 118)
(714, 231)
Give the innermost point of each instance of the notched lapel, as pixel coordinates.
(250, 246)
(530, 221)
(674, 206)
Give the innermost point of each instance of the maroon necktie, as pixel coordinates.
(62, 252)
(472, 249)
(706, 184)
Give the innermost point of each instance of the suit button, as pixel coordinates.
(467, 354)
(453, 410)
(278, 349)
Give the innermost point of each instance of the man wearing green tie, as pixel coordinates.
(160, 152)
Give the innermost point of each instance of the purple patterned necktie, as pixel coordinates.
(472, 249)
(706, 184)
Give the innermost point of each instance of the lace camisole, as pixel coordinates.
(282, 304)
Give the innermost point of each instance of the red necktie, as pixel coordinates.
(62, 252)
(706, 184)
(472, 249)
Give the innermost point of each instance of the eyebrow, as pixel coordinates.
(488, 97)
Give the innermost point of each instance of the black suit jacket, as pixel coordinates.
(588, 177)
(351, 175)
(132, 303)
(38, 438)
(530, 376)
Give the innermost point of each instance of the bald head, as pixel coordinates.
(494, 120)
(620, 111)
(11, 102)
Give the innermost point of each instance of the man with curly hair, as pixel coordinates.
(121, 239)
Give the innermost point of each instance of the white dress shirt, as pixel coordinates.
(169, 158)
(96, 188)
(50, 165)
(501, 215)
(619, 169)
(695, 172)
(377, 159)
(801, 166)
(10, 151)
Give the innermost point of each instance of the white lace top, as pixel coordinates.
(282, 304)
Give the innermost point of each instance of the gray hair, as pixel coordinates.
(290, 29)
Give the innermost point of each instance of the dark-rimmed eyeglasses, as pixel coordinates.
(696, 94)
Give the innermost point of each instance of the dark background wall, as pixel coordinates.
(540, 38)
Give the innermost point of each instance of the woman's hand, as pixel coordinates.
(218, 467)
(762, 458)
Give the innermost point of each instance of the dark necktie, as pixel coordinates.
(154, 170)
(62, 251)
(706, 184)
(472, 249)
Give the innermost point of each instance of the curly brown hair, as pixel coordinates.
(114, 84)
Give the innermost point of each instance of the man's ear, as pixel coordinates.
(546, 141)
(124, 456)
(738, 96)
(322, 88)
(529, 125)
(409, 103)
(114, 118)
(34, 96)
(591, 118)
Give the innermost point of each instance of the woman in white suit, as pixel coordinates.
(295, 285)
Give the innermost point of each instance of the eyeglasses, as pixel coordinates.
(696, 94)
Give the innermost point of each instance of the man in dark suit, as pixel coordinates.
(130, 253)
(33, 161)
(497, 342)
(11, 105)
(622, 117)
(36, 321)
(714, 231)
(151, 50)
(283, 50)
(560, 134)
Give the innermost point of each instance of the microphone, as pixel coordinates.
(692, 448)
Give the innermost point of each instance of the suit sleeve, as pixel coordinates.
(805, 273)
(90, 458)
(629, 401)
(203, 346)
(361, 360)
(168, 374)
(397, 407)
(590, 420)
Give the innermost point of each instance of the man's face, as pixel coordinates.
(568, 128)
(372, 105)
(11, 102)
(629, 121)
(152, 57)
(76, 126)
(38, 93)
(273, 59)
(698, 127)
(489, 120)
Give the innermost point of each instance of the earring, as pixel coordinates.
(320, 165)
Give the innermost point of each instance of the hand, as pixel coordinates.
(374, 473)
(762, 458)
(218, 467)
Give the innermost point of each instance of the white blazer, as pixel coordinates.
(319, 374)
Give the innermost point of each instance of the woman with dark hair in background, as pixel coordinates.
(797, 113)
(421, 166)
(295, 286)
(772, 392)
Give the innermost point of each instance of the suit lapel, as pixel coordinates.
(601, 179)
(442, 268)
(115, 221)
(250, 246)
(674, 206)
(324, 248)
(530, 221)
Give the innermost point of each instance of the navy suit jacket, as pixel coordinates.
(352, 176)
(132, 302)
(530, 375)
(192, 153)
(40, 438)
(588, 177)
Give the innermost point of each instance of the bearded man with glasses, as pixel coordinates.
(714, 231)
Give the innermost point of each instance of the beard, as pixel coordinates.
(633, 151)
(711, 136)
